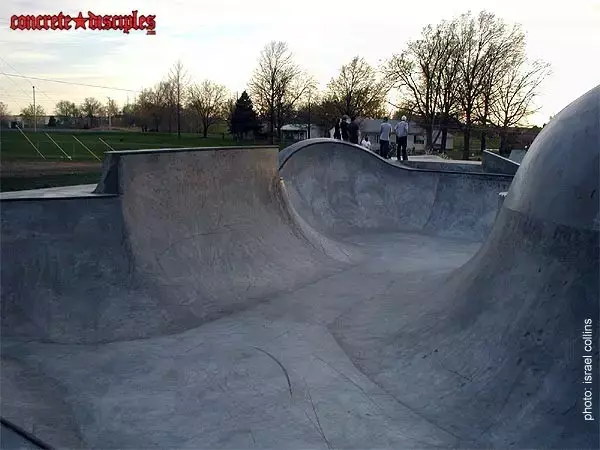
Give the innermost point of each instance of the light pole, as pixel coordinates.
(34, 112)
(308, 114)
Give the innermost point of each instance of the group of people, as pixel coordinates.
(401, 131)
(348, 129)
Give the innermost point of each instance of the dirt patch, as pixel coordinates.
(41, 168)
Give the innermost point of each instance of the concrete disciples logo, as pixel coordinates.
(92, 21)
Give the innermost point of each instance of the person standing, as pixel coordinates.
(336, 130)
(402, 138)
(353, 131)
(384, 138)
(344, 128)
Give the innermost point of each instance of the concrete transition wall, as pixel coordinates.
(495, 354)
(444, 166)
(343, 189)
(517, 155)
(515, 314)
(102, 269)
(493, 163)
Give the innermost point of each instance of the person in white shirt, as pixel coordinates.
(384, 138)
(402, 137)
(365, 143)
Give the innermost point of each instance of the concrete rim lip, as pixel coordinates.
(288, 152)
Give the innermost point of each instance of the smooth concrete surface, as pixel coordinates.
(15, 437)
(428, 318)
(436, 163)
(208, 228)
(493, 163)
(9, 439)
(341, 190)
(517, 155)
(78, 191)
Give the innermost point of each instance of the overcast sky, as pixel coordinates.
(221, 40)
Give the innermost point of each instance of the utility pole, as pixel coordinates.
(309, 115)
(34, 112)
(178, 109)
(179, 104)
(108, 114)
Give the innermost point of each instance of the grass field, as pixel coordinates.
(78, 160)
(14, 146)
(22, 167)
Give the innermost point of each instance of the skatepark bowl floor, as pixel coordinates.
(319, 297)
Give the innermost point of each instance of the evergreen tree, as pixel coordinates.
(243, 119)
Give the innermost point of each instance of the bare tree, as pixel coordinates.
(515, 95)
(297, 96)
(152, 103)
(169, 102)
(3, 113)
(448, 98)
(418, 73)
(325, 113)
(178, 80)
(476, 36)
(208, 100)
(358, 90)
(66, 110)
(277, 85)
(506, 47)
(112, 109)
(92, 108)
(29, 113)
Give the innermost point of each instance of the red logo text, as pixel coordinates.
(92, 21)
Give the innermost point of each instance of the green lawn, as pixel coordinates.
(14, 146)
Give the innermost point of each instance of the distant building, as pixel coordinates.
(299, 132)
(416, 135)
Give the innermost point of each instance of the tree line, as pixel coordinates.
(469, 74)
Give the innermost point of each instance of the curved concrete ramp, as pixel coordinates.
(390, 316)
(496, 355)
(208, 228)
(343, 189)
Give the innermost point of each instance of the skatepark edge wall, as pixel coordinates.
(193, 235)
(343, 189)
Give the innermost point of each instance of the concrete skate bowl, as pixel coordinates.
(345, 190)
(98, 268)
(387, 322)
(491, 354)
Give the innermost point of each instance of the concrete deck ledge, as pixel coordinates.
(112, 166)
(187, 149)
(493, 163)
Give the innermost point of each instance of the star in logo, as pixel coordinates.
(80, 21)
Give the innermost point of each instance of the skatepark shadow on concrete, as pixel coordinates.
(321, 297)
